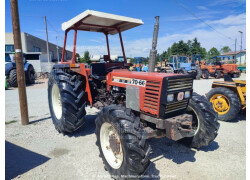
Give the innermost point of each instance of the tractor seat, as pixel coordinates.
(98, 71)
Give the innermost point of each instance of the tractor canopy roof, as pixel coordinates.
(96, 21)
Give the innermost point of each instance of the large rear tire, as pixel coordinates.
(205, 122)
(225, 102)
(12, 80)
(66, 100)
(121, 141)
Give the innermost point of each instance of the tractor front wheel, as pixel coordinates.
(225, 102)
(121, 141)
(66, 100)
(205, 122)
(217, 74)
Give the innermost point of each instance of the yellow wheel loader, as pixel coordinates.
(228, 97)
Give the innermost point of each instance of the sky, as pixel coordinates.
(223, 19)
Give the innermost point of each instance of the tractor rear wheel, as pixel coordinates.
(122, 142)
(205, 74)
(217, 74)
(66, 100)
(205, 122)
(198, 74)
(12, 80)
(225, 102)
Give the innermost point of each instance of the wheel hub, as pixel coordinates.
(56, 101)
(111, 145)
(220, 103)
(114, 144)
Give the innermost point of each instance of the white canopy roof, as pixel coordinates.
(96, 21)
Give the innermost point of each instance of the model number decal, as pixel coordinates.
(137, 82)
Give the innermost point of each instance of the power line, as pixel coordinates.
(185, 8)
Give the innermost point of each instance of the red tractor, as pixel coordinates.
(134, 106)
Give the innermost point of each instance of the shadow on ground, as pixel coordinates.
(19, 160)
(87, 128)
(174, 151)
(167, 148)
(240, 117)
(38, 120)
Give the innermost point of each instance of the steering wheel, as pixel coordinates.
(114, 67)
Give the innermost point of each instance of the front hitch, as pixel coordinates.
(175, 128)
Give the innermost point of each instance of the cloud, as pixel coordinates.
(208, 38)
(230, 20)
(202, 7)
(229, 3)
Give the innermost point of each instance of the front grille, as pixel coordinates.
(175, 86)
(179, 84)
(152, 94)
(176, 106)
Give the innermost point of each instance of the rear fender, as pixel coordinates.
(26, 66)
(80, 69)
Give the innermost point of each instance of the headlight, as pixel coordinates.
(170, 97)
(187, 94)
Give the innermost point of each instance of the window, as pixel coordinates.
(36, 49)
(51, 53)
(9, 48)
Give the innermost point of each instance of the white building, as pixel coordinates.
(239, 56)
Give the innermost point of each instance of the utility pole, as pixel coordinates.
(19, 63)
(57, 50)
(240, 45)
(235, 51)
(47, 40)
(153, 51)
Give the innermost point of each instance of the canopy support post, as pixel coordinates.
(64, 45)
(123, 52)
(107, 40)
(73, 60)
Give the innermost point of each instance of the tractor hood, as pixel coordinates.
(149, 76)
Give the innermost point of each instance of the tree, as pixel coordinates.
(196, 47)
(213, 52)
(203, 53)
(86, 58)
(225, 49)
(164, 55)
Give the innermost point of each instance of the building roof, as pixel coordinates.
(233, 53)
(96, 21)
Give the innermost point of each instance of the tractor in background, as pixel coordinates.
(182, 65)
(134, 106)
(226, 66)
(228, 97)
(10, 70)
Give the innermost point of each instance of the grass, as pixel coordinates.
(10, 122)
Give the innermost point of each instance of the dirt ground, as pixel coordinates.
(38, 151)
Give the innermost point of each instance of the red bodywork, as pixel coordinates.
(229, 68)
(149, 103)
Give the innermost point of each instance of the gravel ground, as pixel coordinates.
(38, 151)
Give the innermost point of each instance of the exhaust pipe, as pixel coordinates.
(153, 51)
